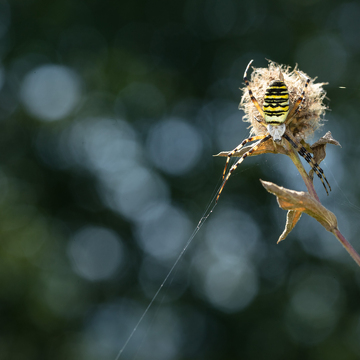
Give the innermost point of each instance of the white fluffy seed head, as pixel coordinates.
(310, 116)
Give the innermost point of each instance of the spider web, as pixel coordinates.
(209, 209)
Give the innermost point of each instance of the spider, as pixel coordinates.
(275, 116)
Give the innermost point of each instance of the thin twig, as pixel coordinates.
(348, 247)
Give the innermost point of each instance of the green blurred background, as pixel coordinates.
(110, 114)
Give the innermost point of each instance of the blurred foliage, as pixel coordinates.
(110, 113)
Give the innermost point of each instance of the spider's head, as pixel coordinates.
(276, 131)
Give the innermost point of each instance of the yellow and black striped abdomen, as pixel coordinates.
(276, 103)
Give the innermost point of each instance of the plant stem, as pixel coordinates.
(347, 246)
(307, 180)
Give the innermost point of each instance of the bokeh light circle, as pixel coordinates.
(95, 253)
(50, 92)
(175, 146)
(164, 231)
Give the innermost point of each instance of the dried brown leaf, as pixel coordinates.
(303, 202)
(319, 149)
(326, 139)
(292, 217)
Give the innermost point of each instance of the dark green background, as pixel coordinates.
(110, 113)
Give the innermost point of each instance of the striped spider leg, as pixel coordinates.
(309, 159)
(233, 152)
(299, 148)
(253, 138)
(263, 138)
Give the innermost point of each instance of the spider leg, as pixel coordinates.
(231, 153)
(252, 97)
(307, 156)
(233, 168)
(297, 105)
(317, 169)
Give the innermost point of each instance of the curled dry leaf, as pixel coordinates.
(298, 202)
(326, 139)
(319, 149)
(292, 217)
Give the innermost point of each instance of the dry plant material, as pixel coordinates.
(307, 119)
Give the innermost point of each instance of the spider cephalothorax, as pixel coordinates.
(275, 117)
